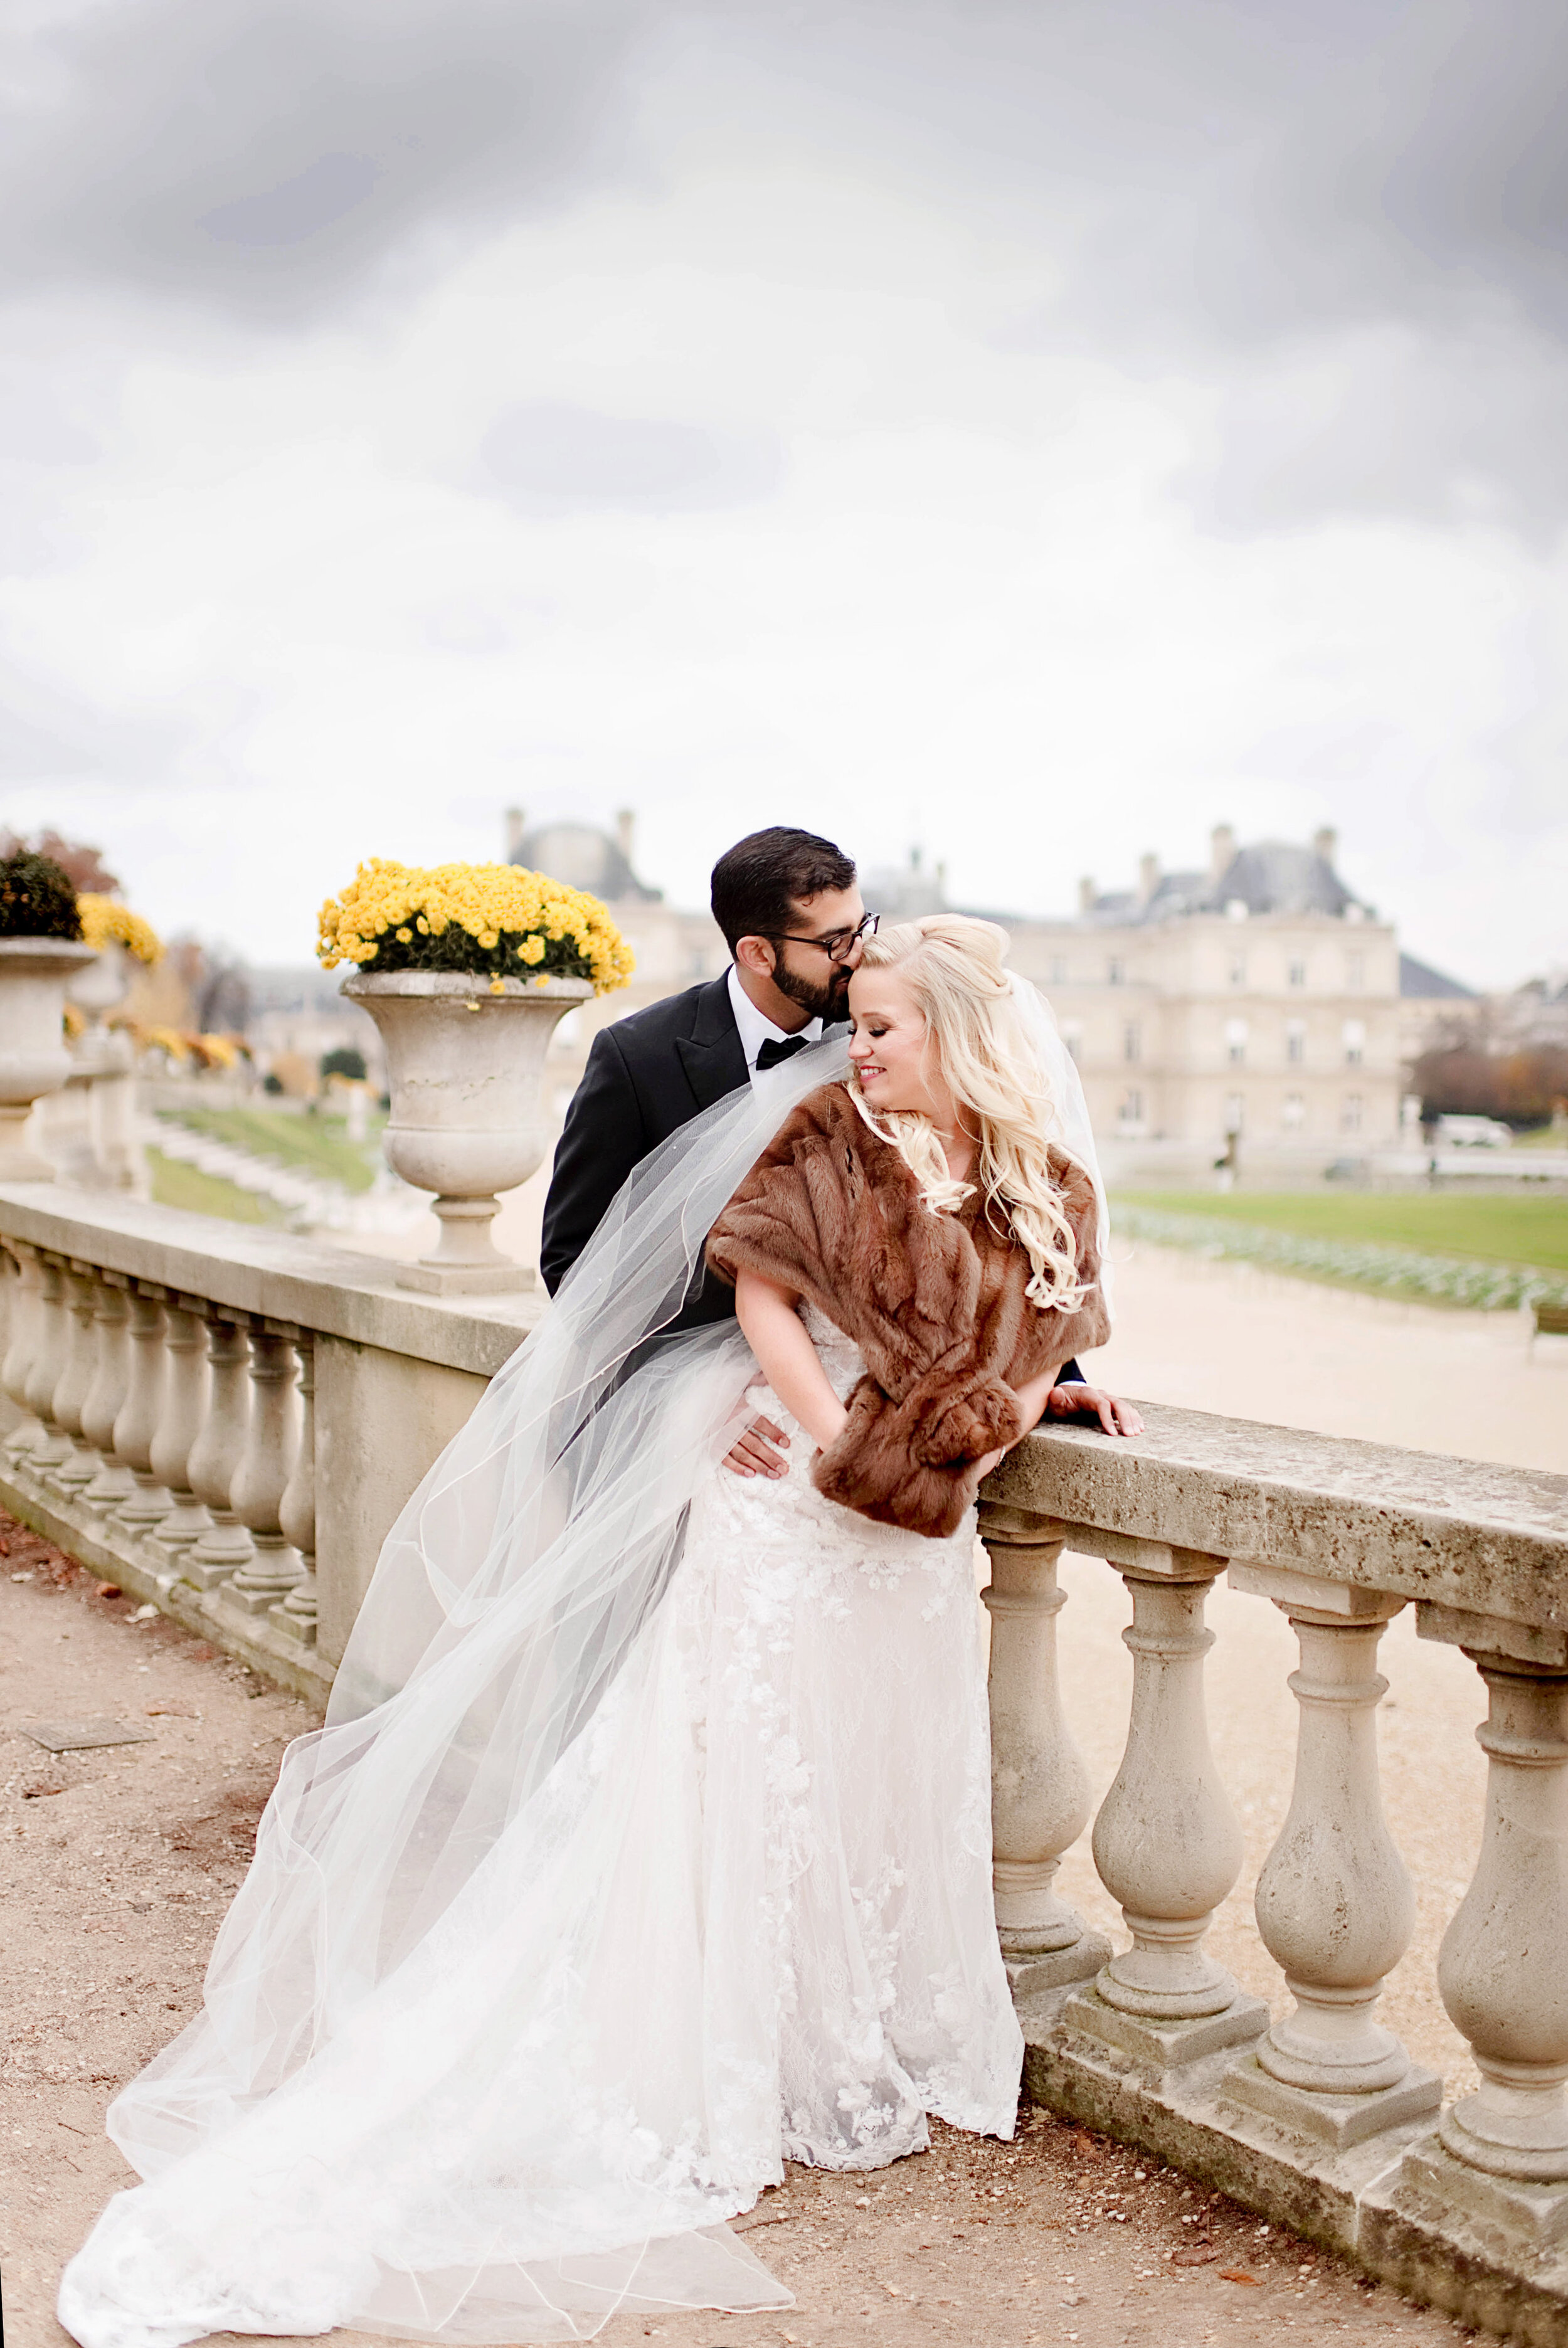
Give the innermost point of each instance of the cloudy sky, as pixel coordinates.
(1036, 430)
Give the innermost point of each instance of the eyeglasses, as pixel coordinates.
(838, 944)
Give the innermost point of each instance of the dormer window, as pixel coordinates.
(1115, 972)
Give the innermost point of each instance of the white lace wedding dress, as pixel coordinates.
(745, 1919)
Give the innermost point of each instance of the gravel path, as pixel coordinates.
(116, 1866)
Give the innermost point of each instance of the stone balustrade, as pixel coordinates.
(226, 1420)
(1315, 2115)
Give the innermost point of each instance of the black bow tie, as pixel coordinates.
(773, 1051)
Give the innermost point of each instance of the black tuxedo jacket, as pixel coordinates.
(647, 1076)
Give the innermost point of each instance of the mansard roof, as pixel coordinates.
(584, 857)
(1420, 980)
(1274, 876)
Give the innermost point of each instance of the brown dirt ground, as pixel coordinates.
(116, 1865)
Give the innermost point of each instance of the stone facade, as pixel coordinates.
(1260, 998)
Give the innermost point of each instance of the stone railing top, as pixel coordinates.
(1454, 1533)
(272, 1273)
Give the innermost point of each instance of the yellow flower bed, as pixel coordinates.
(483, 919)
(105, 921)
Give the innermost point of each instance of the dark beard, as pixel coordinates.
(825, 999)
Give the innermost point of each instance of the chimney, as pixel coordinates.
(512, 820)
(1326, 843)
(1147, 878)
(1086, 895)
(1222, 850)
(625, 831)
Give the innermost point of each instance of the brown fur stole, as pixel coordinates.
(935, 1303)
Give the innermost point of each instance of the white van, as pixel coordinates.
(1473, 1133)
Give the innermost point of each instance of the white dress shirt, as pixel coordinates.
(754, 1028)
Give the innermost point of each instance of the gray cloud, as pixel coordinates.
(1349, 216)
(49, 736)
(547, 457)
(271, 157)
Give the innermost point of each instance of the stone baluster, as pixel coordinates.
(296, 1511)
(81, 1463)
(1502, 1971)
(114, 1482)
(1039, 1787)
(180, 1424)
(21, 1340)
(48, 1364)
(1335, 1905)
(137, 1421)
(225, 1546)
(263, 1474)
(1166, 1842)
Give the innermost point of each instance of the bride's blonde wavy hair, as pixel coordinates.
(953, 966)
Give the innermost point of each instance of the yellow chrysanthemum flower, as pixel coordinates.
(493, 904)
(105, 921)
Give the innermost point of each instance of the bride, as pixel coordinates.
(646, 1845)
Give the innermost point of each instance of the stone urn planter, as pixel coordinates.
(34, 1059)
(100, 985)
(101, 1149)
(465, 1069)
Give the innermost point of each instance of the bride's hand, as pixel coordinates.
(1092, 1402)
(992, 1460)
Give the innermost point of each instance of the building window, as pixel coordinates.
(1115, 972)
(1296, 1041)
(1296, 974)
(1131, 1110)
(1294, 1113)
(1132, 1041)
(1350, 1114)
(1073, 1038)
(1236, 1042)
(697, 962)
(1059, 976)
(1238, 970)
(1355, 971)
(1235, 1112)
(1353, 1035)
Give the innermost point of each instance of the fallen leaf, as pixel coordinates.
(108, 1590)
(1240, 2274)
(893, 2290)
(171, 1708)
(37, 1793)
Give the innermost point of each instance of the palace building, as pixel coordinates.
(1259, 999)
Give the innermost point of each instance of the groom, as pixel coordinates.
(790, 911)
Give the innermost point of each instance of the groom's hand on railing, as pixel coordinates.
(1092, 1402)
(754, 1454)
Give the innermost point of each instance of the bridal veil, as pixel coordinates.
(408, 1841)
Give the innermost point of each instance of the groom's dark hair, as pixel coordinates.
(758, 882)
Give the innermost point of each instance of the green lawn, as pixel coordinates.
(1493, 1230)
(174, 1185)
(316, 1144)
